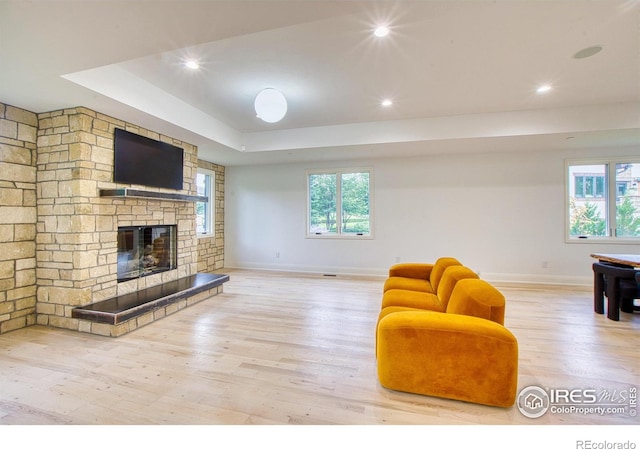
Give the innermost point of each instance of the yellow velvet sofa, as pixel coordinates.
(436, 300)
(418, 277)
(463, 353)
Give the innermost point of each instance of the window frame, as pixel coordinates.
(609, 197)
(338, 234)
(210, 205)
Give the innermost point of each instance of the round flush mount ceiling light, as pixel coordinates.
(381, 31)
(386, 102)
(270, 105)
(588, 52)
(192, 64)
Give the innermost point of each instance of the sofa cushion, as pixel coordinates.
(438, 270)
(393, 309)
(450, 278)
(425, 300)
(417, 270)
(409, 284)
(475, 297)
(418, 277)
(413, 299)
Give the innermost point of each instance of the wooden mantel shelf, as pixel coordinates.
(134, 193)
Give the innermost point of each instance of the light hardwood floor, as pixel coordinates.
(288, 348)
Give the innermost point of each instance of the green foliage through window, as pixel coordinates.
(586, 220)
(604, 199)
(322, 192)
(627, 219)
(339, 203)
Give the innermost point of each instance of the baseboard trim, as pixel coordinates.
(504, 278)
(314, 270)
(521, 278)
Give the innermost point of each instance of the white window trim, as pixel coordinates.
(212, 203)
(337, 235)
(611, 205)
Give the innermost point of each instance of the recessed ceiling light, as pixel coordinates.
(381, 31)
(543, 89)
(588, 52)
(192, 64)
(386, 102)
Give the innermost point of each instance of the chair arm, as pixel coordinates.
(447, 355)
(411, 270)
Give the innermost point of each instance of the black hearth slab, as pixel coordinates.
(121, 308)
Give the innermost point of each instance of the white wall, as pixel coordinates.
(502, 214)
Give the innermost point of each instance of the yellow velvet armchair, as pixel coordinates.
(464, 353)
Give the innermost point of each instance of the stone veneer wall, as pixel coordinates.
(211, 249)
(18, 129)
(76, 230)
(58, 237)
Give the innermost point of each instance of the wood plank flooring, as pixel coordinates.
(282, 348)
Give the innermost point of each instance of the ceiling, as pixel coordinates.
(462, 74)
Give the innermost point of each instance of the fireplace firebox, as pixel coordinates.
(146, 250)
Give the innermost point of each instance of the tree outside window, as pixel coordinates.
(339, 203)
(323, 201)
(355, 203)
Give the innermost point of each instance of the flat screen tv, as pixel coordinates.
(143, 161)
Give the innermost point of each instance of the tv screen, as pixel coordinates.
(147, 162)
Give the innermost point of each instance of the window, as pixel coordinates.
(589, 186)
(603, 199)
(205, 182)
(339, 203)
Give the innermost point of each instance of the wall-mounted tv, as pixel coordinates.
(147, 162)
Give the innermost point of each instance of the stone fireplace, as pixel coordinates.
(59, 245)
(84, 237)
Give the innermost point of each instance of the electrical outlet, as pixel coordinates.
(544, 264)
(277, 254)
(397, 259)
